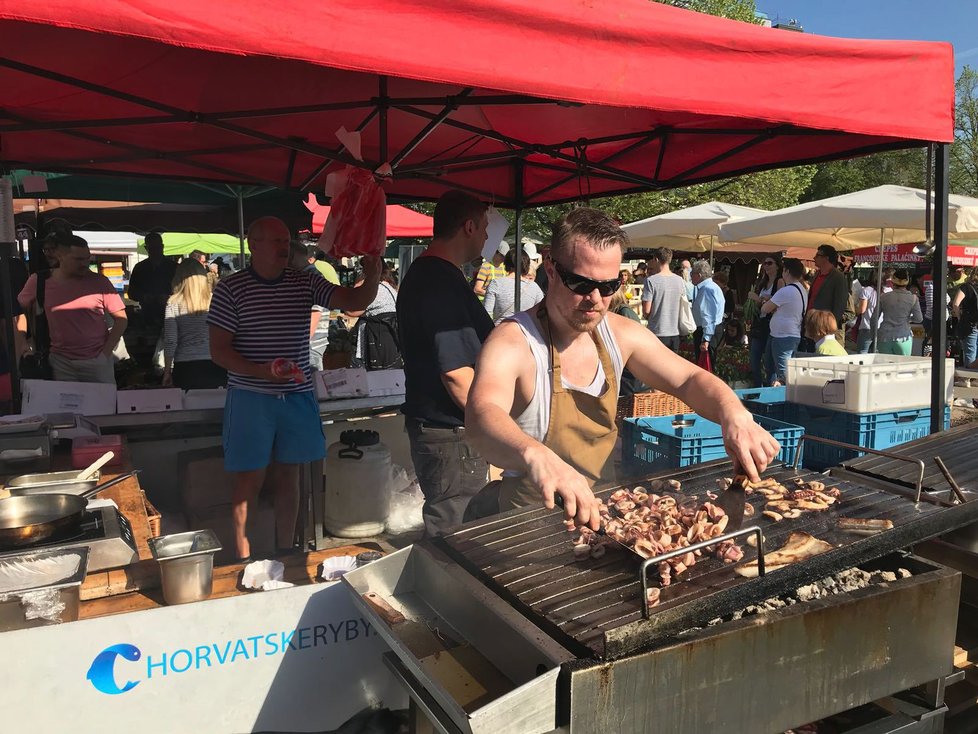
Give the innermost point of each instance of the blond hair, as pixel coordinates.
(191, 288)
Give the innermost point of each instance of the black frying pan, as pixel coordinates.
(31, 519)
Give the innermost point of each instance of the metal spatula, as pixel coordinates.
(602, 530)
(732, 501)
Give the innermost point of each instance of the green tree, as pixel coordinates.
(964, 150)
(745, 10)
(900, 167)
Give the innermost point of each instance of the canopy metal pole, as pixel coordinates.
(928, 178)
(879, 294)
(518, 191)
(712, 238)
(938, 324)
(241, 230)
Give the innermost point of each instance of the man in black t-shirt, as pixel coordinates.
(442, 326)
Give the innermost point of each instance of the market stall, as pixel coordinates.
(447, 100)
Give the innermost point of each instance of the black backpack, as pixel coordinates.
(968, 309)
(379, 341)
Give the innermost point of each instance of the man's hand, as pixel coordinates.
(705, 345)
(552, 475)
(266, 371)
(750, 446)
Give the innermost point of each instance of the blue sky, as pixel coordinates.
(924, 20)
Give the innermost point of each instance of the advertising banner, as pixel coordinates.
(296, 660)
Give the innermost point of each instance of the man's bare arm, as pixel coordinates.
(226, 356)
(492, 430)
(458, 383)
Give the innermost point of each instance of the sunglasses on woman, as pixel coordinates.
(583, 286)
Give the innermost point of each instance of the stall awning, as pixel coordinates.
(520, 101)
(966, 256)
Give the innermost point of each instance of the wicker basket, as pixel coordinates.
(153, 517)
(653, 403)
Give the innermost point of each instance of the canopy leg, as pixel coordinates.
(241, 230)
(938, 324)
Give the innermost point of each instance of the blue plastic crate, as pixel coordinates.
(766, 394)
(766, 401)
(881, 430)
(666, 444)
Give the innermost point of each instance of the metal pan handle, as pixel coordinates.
(110, 483)
(656, 560)
(889, 455)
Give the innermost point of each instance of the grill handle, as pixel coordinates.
(840, 445)
(656, 560)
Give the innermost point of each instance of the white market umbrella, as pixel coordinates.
(887, 215)
(880, 216)
(693, 229)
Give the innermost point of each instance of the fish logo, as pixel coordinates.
(102, 670)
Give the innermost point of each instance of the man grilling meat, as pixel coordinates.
(543, 402)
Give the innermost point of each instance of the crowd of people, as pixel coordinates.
(792, 310)
(72, 321)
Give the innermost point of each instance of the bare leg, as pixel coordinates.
(247, 485)
(284, 480)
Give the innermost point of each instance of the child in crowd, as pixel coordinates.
(820, 327)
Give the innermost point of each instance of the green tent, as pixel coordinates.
(182, 243)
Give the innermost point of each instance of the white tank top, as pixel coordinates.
(535, 420)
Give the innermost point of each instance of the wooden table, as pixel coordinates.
(137, 587)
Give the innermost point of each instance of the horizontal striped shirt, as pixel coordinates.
(269, 319)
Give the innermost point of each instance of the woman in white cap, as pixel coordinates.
(500, 301)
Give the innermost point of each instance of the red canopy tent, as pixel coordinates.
(401, 221)
(523, 102)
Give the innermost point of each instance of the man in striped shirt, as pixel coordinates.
(271, 420)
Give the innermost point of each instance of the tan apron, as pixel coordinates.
(582, 428)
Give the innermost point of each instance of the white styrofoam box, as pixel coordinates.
(55, 396)
(204, 399)
(864, 383)
(385, 382)
(154, 400)
(346, 383)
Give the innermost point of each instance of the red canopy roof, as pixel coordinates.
(401, 221)
(522, 101)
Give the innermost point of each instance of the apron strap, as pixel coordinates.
(604, 357)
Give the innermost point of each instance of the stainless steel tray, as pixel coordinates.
(45, 603)
(54, 482)
(452, 619)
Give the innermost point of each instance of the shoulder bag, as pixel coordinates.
(37, 365)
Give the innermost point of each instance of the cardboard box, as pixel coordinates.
(385, 382)
(348, 383)
(203, 481)
(55, 396)
(150, 401)
(204, 399)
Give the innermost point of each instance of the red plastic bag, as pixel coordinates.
(357, 222)
(704, 360)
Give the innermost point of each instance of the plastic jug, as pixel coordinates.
(357, 485)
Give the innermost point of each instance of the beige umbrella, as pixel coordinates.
(884, 215)
(693, 229)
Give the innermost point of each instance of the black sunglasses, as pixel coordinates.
(583, 286)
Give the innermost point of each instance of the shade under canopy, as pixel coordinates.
(882, 215)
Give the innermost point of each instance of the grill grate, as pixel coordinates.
(593, 607)
(955, 446)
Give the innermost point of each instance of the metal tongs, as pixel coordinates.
(602, 530)
(732, 501)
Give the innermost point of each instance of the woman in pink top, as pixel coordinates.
(77, 303)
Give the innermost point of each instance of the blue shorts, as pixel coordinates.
(260, 428)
